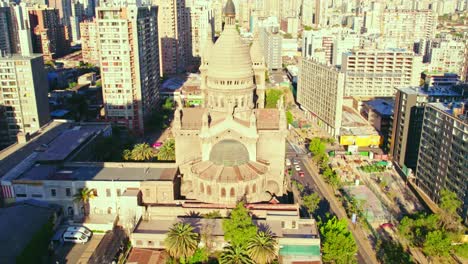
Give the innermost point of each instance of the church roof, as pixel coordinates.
(210, 171)
(230, 8)
(230, 57)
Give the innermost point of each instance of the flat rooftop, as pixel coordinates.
(353, 123)
(382, 106)
(98, 172)
(458, 110)
(431, 91)
(54, 141)
(18, 56)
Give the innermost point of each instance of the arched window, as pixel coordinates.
(254, 188)
(202, 189)
(70, 211)
(246, 189)
(223, 192)
(109, 210)
(208, 190)
(232, 192)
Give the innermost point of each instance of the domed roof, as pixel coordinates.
(256, 52)
(230, 57)
(229, 153)
(230, 9)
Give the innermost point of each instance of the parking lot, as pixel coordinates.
(71, 253)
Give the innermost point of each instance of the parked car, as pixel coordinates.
(301, 174)
(157, 144)
(295, 162)
(75, 237)
(80, 229)
(297, 167)
(288, 162)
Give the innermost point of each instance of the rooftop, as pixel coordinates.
(354, 124)
(18, 229)
(102, 172)
(430, 91)
(55, 141)
(458, 110)
(382, 106)
(19, 56)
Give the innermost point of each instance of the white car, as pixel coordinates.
(75, 237)
(288, 162)
(297, 167)
(80, 229)
(295, 162)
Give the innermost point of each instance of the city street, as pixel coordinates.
(314, 181)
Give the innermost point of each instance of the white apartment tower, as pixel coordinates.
(372, 73)
(89, 42)
(129, 59)
(447, 55)
(23, 95)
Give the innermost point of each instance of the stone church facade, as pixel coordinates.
(231, 147)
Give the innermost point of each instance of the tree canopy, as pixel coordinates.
(181, 241)
(239, 227)
(311, 202)
(437, 244)
(338, 244)
(167, 150)
(449, 203)
(262, 247)
(272, 97)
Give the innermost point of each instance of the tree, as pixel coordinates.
(437, 244)
(235, 255)
(262, 248)
(200, 256)
(168, 104)
(83, 196)
(142, 152)
(181, 241)
(316, 146)
(127, 155)
(167, 150)
(390, 252)
(311, 202)
(289, 117)
(272, 97)
(338, 244)
(449, 203)
(239, 227)
(416, 228)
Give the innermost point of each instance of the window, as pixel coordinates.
(232, 192)
(208, 190)
(37, 195)
(223, 192)
(139, 243)
(119, 192)
(68, 192)
(282, 224)
(108, 192)
(20, 195)
(53, 192)
(202, 189)
(95, 192)
(254, 188)
(293, 224)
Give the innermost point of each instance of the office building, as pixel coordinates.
(7, 45)
(442, 162)
(49, 35)
(174, 34)
(64, 8)
(407, 120)
(89, 42)
(129, 63)
(373, 73)
(446, 55)
(320, 92)
(24, 88)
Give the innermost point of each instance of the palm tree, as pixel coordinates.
(142, 152)
(167, 151)
(262, 248)
(235, 255)
(127, 154)
(83, 196)
(181, 241)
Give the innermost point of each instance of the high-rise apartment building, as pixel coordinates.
(6, 29)
(89, 42)
(401, 28)
(129, 60)
(48, 32)
(77, 15)
(372, 73)
(23, 95)
(201, 23)
(272, 41)
(408, 118)
(174, 34)
(446, 55)
(320, 93)
(442, 162)
(64, 8)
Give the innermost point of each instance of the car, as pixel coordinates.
(301, 174)
(157, 144)
(386, 225)
(297, 167)
(288, 162)
(295, 162)
(80, 229)
(75, 237)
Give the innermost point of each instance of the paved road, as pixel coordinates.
(314, 181)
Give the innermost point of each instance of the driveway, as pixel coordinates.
(71, 253)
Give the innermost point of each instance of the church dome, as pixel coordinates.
(229, 153)
(230, 57)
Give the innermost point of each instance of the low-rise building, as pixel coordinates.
(356, 131)
(378, 113)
